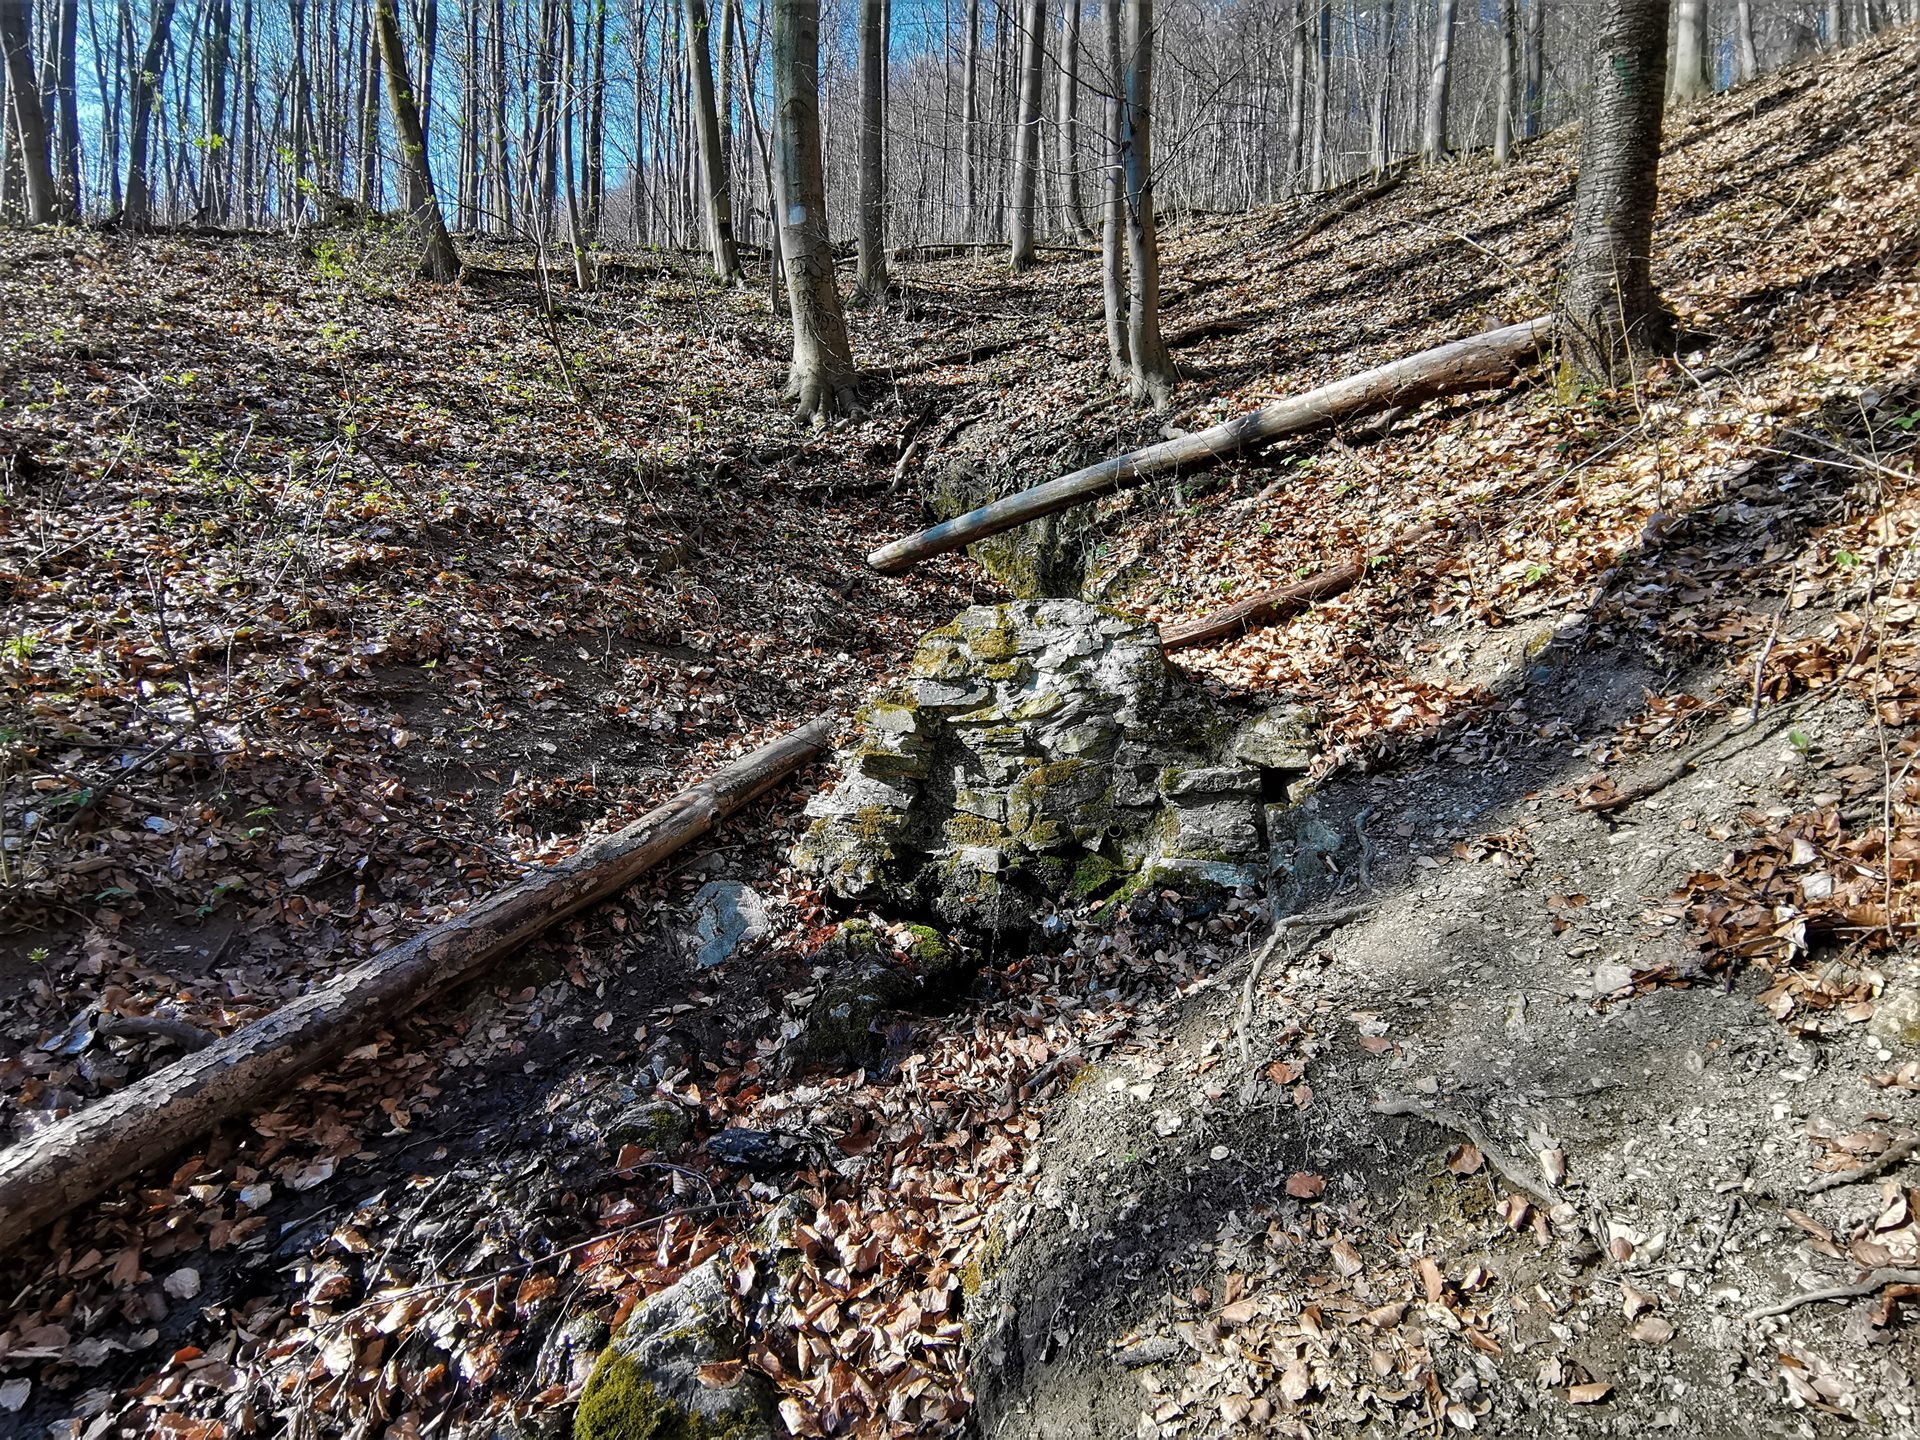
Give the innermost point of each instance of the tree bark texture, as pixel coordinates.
(1507, 61)
(1433, 134)
(438, 262)
(1113, 201)
(1150, 369)
(872, 282)
(1609, 304)
(154, 1117)
(137, 209)
(1690, 51)
(1026, 135)
(821, 381)
(713, 162)
(26, 116)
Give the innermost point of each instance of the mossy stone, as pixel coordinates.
(619, 1403)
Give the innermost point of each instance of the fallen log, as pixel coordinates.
(43, 1178)
(1277, 604)
(1470, 364)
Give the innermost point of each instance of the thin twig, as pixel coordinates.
(1895, 1154)
(1462, 1124)
(1875, 1281)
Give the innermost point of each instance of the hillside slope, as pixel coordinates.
(337, 600)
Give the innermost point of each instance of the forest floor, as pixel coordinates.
(336, 600)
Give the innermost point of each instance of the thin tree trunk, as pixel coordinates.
(1746, 56)
(593, 168)
(1067, 118)
(1026, 136)
(1322, 91)
(1612, 310)
(970, 123)
(1690, 51)
(213, 104)
(1503, 126)
(821, 381)
(438, 262)
(1113, 201)
(1433, 137)
(138, 211)
(871, 285)
(569, 119)
(501, 164)
(1379, 120)
(1297, 100)
(706, 126)
(29, 124)
(1151, 373)
(67, 111)
(1532, 108)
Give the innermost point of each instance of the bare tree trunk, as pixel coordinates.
(213, 104)
(1503, 107)
(871, 286)
(822, 379)
(29, 125)
(501, 164)
(1836, 24)
(1433, 137)
(67, 111)
(1151, 373)
(1322, 91)
(1026, 135)
(1611, 309)
(1067, 124)
(438, 262)
(1113, 202)
(1746, 55)
(372, 192)
(706, 125)
(970, 124)
(1379, 118)
(1297, 98)
(593, 165)
(1690, 51)
(577, 240)
(1532, 109)
(137, 213)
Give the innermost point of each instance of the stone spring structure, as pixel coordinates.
(1046, 749)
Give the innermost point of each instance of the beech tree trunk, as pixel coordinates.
(438, 262)
(1611, 310)
(67, 112)
(1380, 114)
(125, 1132)
(1026, 136)
(1150, 371)
(822, 379)
(1690, 51)
(1433, 135)
(1480, 361)
(27, 117)
(713, 163)
(872, 283)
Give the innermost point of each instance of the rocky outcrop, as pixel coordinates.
(1046, 749)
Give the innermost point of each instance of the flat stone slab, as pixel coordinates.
(727, 916)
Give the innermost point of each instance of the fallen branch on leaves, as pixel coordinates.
(1471, 364)
(1875, 1281)
(74, 1160)
(1277, 604)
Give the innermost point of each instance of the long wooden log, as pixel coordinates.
(1278, 603)
(120, 1135)
(1469, 364)
(1264, 608)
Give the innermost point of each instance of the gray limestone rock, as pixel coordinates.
(727, 916)
(1042, 750)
